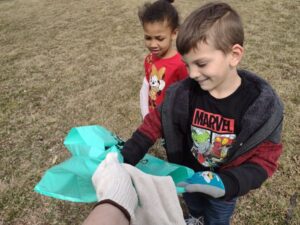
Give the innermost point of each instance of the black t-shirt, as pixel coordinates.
(215, 123)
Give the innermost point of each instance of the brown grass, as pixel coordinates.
(70, 63)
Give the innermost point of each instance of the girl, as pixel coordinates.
(163, 65)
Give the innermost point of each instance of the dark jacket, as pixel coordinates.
(252, 158)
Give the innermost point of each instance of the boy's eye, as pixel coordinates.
(201, 65)
(147, 38)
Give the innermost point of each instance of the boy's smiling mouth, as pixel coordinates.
(200, 81)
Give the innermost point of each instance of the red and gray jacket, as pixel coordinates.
(252, 158)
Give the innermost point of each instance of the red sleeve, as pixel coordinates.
(265, 155)
(142, 139)
(250, 170)
(151, 127)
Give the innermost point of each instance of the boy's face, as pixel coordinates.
(211, 69)
(158, 38)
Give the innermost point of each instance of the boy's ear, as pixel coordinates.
(237, 52)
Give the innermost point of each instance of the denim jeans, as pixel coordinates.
(214, 211)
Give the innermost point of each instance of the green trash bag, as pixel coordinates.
(89, 145)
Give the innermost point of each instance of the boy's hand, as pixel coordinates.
(113, 183)
(205, 182)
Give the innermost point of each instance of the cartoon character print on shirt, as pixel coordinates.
(156, 83)
(212, 137)
(208, 176)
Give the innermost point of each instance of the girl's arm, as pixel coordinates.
(144, 95)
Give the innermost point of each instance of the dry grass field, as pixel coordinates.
(66, 63)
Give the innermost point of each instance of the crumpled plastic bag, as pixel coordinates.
(89, 145)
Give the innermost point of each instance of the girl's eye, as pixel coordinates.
(160, 39)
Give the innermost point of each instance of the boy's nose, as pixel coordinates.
(193, 73)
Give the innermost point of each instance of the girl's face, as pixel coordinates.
(158, 38)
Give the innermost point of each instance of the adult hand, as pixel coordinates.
(205, 182)
(113, 184)
(158, 200)
(148, 199)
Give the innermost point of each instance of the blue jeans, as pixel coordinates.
(214, 211)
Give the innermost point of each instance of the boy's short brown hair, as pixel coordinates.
(216, 22)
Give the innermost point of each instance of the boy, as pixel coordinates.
(222, 122)
(220, 119)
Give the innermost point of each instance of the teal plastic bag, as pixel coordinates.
(89, 145)
(89, 141)
(71, 179)
(158, 167)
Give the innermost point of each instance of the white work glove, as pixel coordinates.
(113, 185)
(158, 201)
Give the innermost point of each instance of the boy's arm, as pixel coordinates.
(238, 179)
(143, 138)
(144, 95)
(251, 170)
